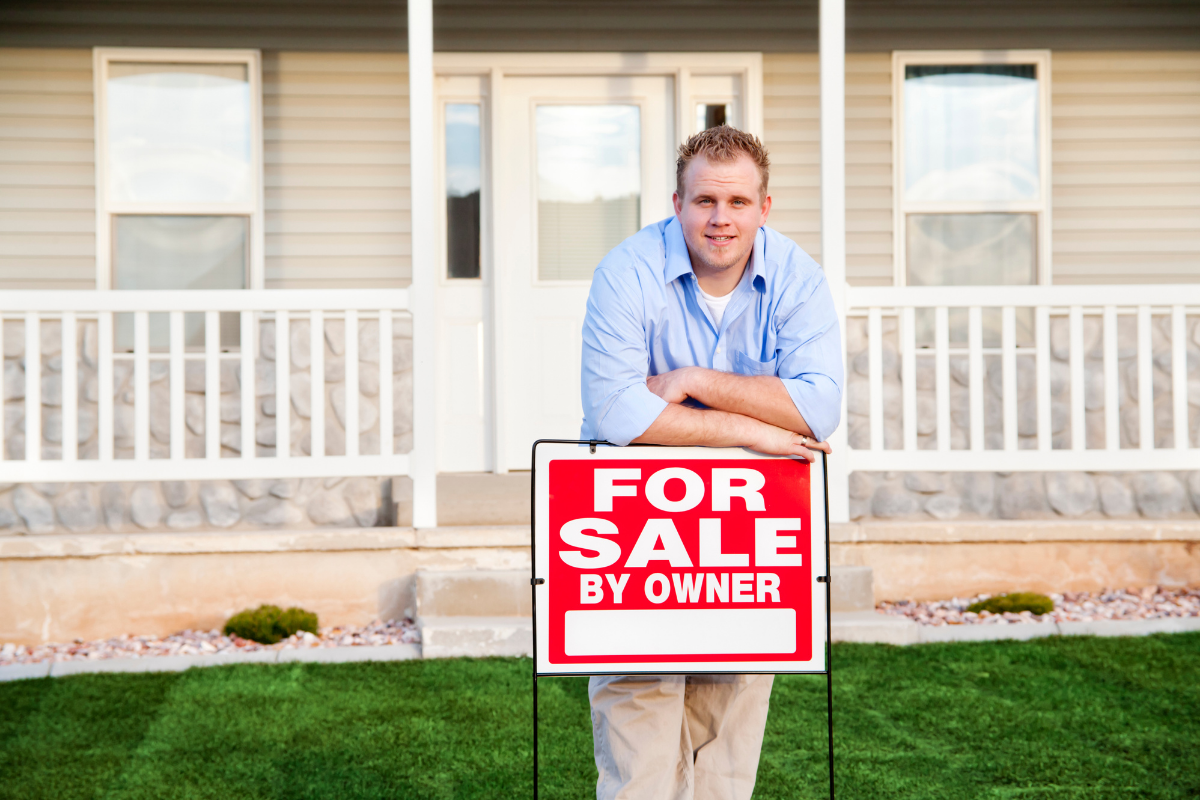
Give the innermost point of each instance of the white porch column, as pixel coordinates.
(833, 214)
(423, 460)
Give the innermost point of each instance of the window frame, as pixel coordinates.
(1039, 207)
(107, 209)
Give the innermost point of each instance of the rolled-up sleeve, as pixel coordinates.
(809, 346)
(617, 405)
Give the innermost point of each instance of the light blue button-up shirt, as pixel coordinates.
(645, 317)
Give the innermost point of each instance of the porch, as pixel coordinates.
(1040, 436)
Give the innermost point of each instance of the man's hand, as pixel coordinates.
(779, 442)
(672, 386)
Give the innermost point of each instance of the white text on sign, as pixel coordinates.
(660, 540)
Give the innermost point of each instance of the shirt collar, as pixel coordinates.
(679, 263)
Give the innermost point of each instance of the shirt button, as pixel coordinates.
(718, 349)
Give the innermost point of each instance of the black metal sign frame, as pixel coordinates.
(535, 581)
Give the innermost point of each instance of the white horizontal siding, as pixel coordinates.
(47, 170)
(791, 132)
(1126, 167)
(336, 169)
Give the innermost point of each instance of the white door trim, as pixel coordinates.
(495, 67)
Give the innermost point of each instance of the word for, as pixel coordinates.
(723, 489)
(660, 541)
(746, 587)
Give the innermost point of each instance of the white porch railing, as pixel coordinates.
(195, 431)
(1028, 378)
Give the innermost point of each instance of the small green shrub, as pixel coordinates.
(1016, 603)
(270, 624)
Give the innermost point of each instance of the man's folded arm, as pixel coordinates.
(807, 399)
(617, 405)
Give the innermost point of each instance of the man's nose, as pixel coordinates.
(719, 216)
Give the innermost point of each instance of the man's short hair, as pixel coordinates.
(722, 144)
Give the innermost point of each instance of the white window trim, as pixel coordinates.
(682, 66)
(106, 209)
(1041, 207)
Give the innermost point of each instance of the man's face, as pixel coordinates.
(721, 213)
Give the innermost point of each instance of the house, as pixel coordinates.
(410, 198)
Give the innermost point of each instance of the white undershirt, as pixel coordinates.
(716, 305)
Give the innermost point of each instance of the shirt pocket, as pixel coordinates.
(748, 365)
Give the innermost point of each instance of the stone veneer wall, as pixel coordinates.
(1034, 495)
(183, 505)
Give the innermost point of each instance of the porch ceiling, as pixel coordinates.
(621, 25)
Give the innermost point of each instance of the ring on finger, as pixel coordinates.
(804, 441)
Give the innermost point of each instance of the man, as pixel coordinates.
(707, 328)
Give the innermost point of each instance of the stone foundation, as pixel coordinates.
(1024, 495)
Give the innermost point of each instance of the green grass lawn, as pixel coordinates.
(1052, 718)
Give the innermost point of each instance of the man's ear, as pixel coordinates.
(766, 209)
(677, 201)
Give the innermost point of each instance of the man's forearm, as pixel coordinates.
(763, 397)
(680, 425)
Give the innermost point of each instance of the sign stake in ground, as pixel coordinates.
(678, 560)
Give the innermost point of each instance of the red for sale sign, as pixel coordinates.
(668, 559)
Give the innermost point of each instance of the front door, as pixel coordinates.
(588, 161)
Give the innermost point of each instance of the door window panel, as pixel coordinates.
(463, 185)
(179, 133)
(588, 185)
(710, 115)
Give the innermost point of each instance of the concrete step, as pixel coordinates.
(873, 627)
(451, 637)
(851, 589)
(473, 593)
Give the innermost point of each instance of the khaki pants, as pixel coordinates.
(678, 737)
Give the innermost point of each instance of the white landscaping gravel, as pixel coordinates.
(199, 643)
(1150, 602)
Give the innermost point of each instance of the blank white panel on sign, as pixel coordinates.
(680, 631)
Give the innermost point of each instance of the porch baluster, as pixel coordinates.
(1078, 420)
(351, 382)
(33, 387)
(212, 384)
(70, 390)
(247, 347)
(908, 374)
(283, 385)
(104, 380)
(875, 375)
(141, 386)
(1112, 395)
(1044, 429)
(386, 434)
(1145, 380)
(1179, 376)
(178, 380)
(1008, 369)
(975, 373)
(316, 419)
(941, 349)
